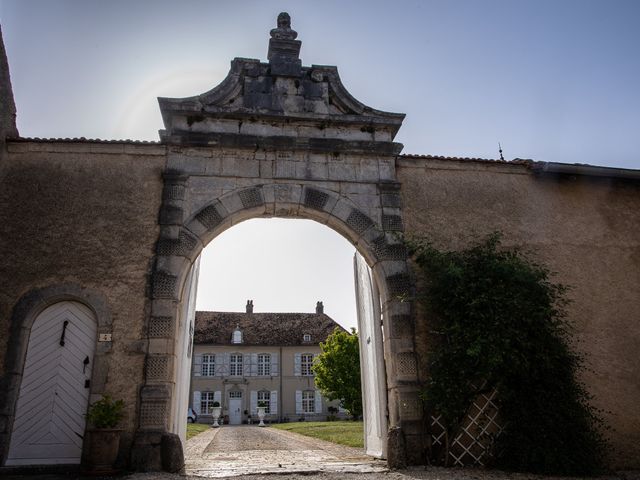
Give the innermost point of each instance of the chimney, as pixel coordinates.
(249, 306)
(319, 307)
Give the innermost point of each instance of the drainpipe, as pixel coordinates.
(281, 399)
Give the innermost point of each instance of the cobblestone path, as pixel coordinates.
(242, 450)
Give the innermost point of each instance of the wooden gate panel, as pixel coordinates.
(49, 423)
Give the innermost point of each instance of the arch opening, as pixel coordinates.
(181, 243)
(315, 263)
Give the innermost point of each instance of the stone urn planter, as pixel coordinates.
(103, 438)
(103, 445)
(261, 414)
(216, 410)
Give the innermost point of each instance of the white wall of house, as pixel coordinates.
(291, 387)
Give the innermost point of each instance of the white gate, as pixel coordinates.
(374, 390)
(54, 393)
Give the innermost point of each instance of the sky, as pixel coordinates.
(550, 80)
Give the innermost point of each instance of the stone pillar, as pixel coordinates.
(173, 250)
(405, 407)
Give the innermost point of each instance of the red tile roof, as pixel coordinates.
(515, 161)
(276, 329)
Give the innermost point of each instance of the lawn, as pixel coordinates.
(345, 432)
(194, 429)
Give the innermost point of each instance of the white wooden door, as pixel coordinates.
(235, 408)
(54, 393)
(374, 392)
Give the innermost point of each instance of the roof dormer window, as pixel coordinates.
(306, 337)
(237, 335)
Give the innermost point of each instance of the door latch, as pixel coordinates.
(85, 363)
(64, 329)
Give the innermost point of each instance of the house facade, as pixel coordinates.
(243, 360)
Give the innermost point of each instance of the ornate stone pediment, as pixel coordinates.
(281, 103)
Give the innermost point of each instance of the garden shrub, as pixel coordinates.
(498, 322)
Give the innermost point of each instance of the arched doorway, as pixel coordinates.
(173, 269)
(283, 266)
(49, 424)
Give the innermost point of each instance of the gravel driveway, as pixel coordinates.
(263, 453)
(247, 449)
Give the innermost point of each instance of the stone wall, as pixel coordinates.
(86, 215)
(83, 215)
(587, 229)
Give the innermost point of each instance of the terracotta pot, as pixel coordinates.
(102, 450)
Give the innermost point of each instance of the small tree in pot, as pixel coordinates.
(103, 436)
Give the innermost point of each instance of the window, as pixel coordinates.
(306, 337)
(208, 365)
(306, 360)
(235, 369)
(237, 336)
(206, 403)
(308, 401)
(264, 396)
(264, 364)
(235, 394)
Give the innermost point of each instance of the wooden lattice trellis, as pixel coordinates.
(473, 445)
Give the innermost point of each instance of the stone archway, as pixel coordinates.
(382, 250)
(278, 139)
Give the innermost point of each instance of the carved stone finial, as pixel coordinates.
(284, 30)
(284, 49)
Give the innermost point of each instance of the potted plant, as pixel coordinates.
(103, 436)
(215, 411)
(262, 406)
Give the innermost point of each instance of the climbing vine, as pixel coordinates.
(498, 322)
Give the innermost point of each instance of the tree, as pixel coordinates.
(337, 370)
(499, 323)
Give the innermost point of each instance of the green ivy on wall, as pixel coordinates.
(498, 322)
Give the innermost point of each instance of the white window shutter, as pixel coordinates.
(246, 367)
(197, 365)
(217, 396)
(318, 402)
(219, 365)
(196, 402)
(254, 402)
(297, 370)
(274, 402)
(274, 365)
(298, 401)
(254, 364)
(226, 361)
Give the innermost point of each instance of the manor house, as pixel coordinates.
(243, 359)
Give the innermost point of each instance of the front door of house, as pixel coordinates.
(54, 393)
(235, 408)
